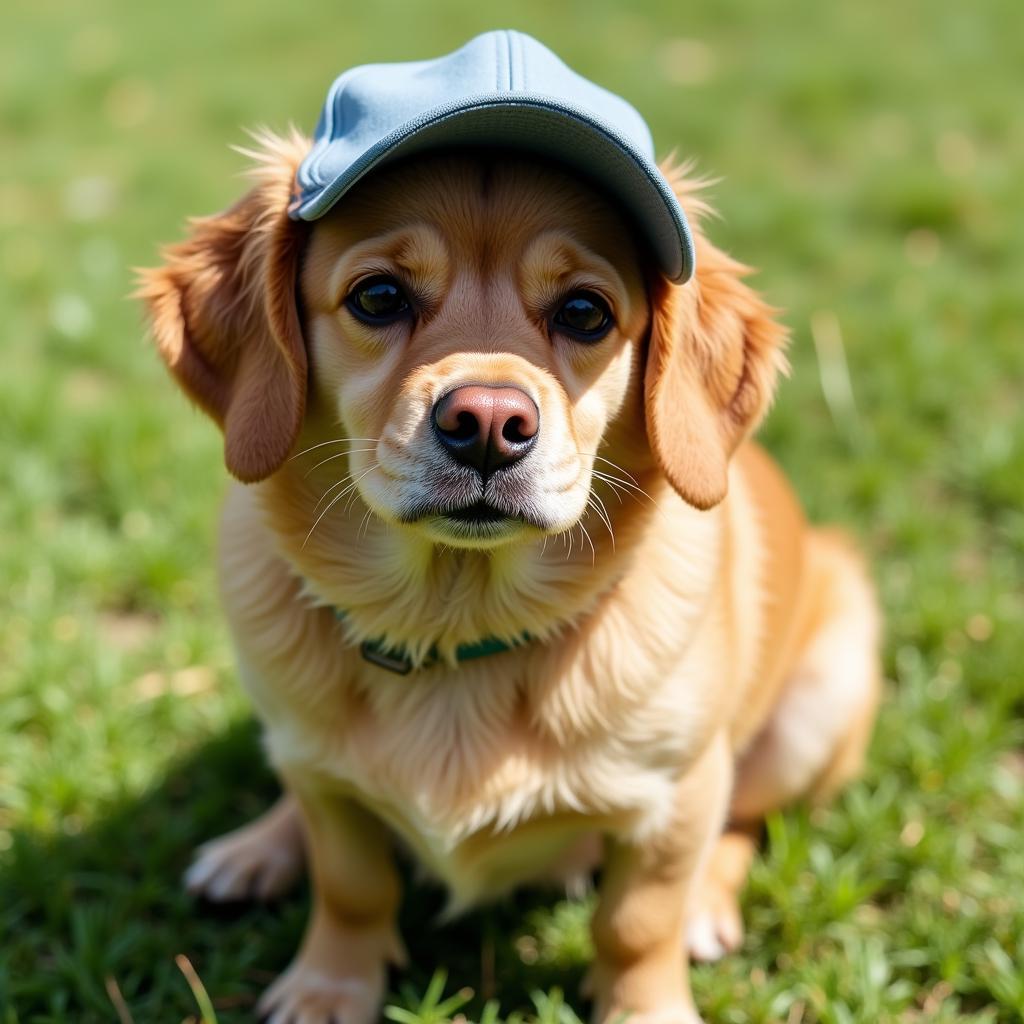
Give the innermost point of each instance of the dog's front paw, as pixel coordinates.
(304, 995)
(252, 862)
(682, 1013)
(645, 1001)
(715, 925)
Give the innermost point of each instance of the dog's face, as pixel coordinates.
(478, 320)
(478, 328)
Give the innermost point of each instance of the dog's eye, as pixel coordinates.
(584, 316)
(378, 300)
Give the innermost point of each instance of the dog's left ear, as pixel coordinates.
(714, 354)
(225, 319)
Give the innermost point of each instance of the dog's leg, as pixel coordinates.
(811, 745)
(339, 973)
(260, 860)
(639, 968)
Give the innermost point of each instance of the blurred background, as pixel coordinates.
(870, 161)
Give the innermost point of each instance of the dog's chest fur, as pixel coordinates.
(494, 771)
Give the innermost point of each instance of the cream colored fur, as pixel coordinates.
(699, 655)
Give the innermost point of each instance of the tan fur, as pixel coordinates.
(684, 619)
(225, 322)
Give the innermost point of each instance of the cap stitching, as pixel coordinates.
(514, 62)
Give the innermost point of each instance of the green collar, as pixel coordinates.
(397, 660)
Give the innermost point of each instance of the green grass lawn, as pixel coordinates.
(871, 159)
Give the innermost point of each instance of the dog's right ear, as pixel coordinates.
(715, 351)
(224, 316)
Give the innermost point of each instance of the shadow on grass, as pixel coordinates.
(76, 910)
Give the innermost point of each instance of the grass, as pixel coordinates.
(871, 158)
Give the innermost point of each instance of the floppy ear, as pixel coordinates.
(714, 354)
(224, 316)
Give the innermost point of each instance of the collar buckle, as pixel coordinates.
(387, 660)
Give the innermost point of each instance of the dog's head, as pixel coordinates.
(467, 337)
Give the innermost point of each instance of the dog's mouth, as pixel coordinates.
(480, 520)
(480, 514)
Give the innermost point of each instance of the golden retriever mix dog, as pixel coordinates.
(481, 441)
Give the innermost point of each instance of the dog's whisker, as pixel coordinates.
(608, 462)
(617, 486)
(618, 468)
(334, 501)
(330, 505)
(590, 541)
(337, 440)
(630, 482)
(602, 511)
(355, 491)
(630, 486)
(335, 485)
(364, 523)
(586, 533)
(620, 487)
(353, 488)
(340, 455)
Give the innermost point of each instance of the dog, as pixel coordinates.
(509, 583)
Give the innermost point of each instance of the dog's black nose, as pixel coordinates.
(486, 427)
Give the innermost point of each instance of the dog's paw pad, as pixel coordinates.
(306, 996)
(241, 866)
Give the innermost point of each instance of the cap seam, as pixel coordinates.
(516, 62)
(335, 121)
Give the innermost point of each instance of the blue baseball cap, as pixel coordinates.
(504, 89)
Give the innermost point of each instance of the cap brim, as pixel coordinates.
(543, 126)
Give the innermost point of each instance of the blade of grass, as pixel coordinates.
(124, 1015)
(198, 990)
